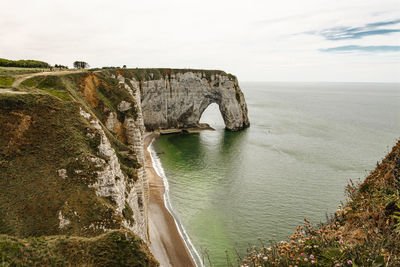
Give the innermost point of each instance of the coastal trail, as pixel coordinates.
(15, 87)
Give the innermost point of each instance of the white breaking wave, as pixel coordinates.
(156, 162)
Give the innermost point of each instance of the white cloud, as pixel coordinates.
(255, 39)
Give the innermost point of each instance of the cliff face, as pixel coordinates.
(72, 152)
(178, 100)
(71, 157)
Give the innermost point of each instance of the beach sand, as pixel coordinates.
(167, 244)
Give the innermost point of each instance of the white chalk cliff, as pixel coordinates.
(179, 99)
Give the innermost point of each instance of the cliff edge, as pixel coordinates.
(72, 158)
(173, 98)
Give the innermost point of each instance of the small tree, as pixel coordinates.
(124, 66)
(81, 65)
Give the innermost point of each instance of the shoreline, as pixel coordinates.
(166, 241)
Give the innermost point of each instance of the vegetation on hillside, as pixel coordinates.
(40, 135)
(146, 74)
(13, 71)
(363, 232)
(46, 148)
(80, 65)
(6, 81)
(61, 67)
(23, 63)
(115, 248)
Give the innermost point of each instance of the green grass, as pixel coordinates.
(23, 63)
(112, 93)
(128, 213)
(6, 81)
(52, 84)
(115, 248)
(33, 192)
(20, 71)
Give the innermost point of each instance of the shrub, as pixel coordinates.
(23, 63)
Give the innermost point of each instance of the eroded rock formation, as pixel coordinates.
(179, 99)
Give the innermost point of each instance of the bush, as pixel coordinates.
(23, 63)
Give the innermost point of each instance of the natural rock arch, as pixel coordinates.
(212, 116)
(179, 100)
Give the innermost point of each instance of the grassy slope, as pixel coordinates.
(6, 81)
(363, 232)
(8, 74)
(9, 71)
(42, 132)
(40, 135)
(115, 248)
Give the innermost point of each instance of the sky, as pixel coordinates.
(256, 40)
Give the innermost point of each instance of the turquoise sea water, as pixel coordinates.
(305, 142)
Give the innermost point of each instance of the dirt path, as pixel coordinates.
(10, 91)
(20, 78)
(24, 77)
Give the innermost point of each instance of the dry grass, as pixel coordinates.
(115, 248)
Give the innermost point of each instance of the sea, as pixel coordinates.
(229, 190)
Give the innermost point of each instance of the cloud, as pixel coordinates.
(357, 48)
(255, 39)
(344, 33)
(383, 23)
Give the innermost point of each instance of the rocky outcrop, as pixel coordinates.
(179, 99)
(112, 182)
(130, 130)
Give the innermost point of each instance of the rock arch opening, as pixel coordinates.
(212, 116)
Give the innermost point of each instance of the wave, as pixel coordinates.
(156, 162)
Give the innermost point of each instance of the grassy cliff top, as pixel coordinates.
(145, 74)
(9, 74)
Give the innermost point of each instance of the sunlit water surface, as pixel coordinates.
(305, 142)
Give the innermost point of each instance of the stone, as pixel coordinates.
(111, 182)
(178, 101)
(124, 106)
(63, 222)
(62, 173)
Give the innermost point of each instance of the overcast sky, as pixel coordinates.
(257, 40)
